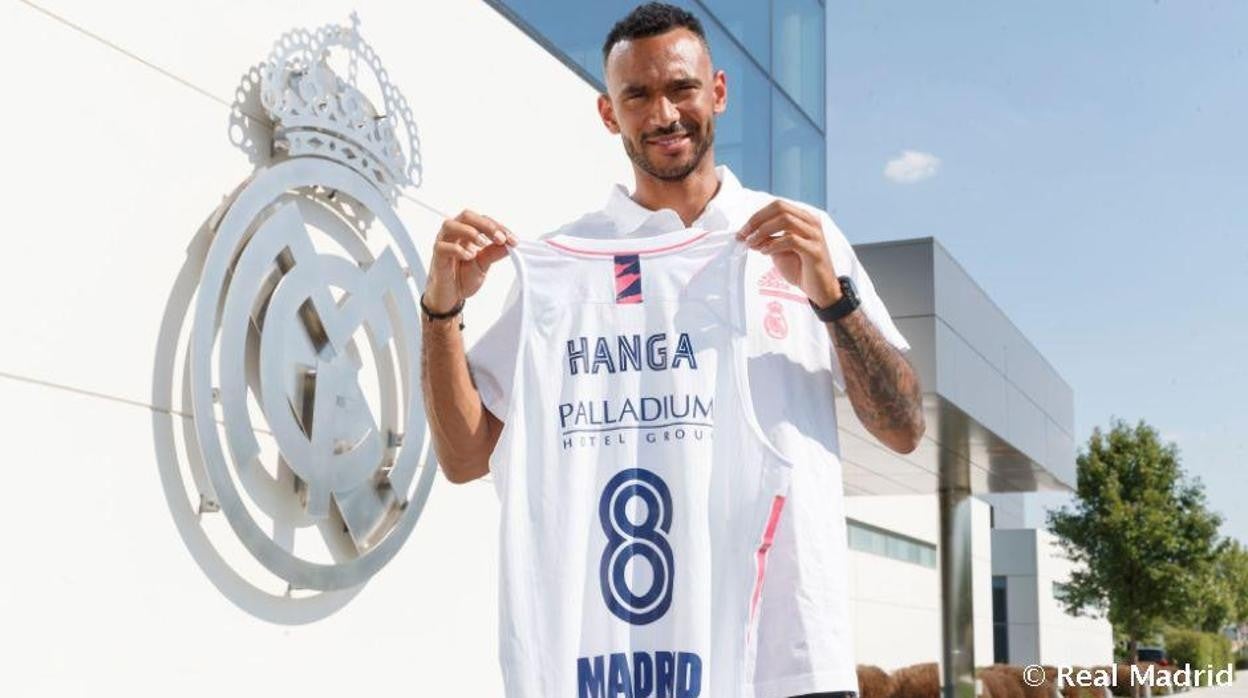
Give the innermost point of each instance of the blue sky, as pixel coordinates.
(1092, 177)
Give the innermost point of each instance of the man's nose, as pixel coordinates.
(667, 115)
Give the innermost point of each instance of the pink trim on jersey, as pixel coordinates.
(782, 294)
(612, 253)
(769, 535)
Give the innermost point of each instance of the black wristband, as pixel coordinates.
(847, 303)
(456, 310)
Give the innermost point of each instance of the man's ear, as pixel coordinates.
(720, 87)
(607, 112)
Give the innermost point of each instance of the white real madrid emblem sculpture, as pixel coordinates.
(302, 360)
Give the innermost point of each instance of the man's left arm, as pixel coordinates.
(882, 386)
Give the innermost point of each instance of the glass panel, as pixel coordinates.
(998, 600)
(1000, 644)
(866, 539)
(797, 165)
(746, 20)
(856, 538)
(929, 557)
(798, 56)
(741, 131)
(572, 29)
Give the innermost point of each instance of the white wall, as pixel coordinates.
(1066, 639)
(895, 605)
(117, 151)
(1040, 631)
(1026, 509)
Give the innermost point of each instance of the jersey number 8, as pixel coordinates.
(627, 540)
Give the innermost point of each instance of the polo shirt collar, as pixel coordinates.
(631, 219)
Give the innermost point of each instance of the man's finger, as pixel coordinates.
(503, 232)
(783, 221)
(484, 224)
(490, 255)
(761, 237)
(462, 233)
(787, 243)
(767, 228)
(453, 250)
(764, 213)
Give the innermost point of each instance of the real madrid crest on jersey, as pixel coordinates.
(301, 368)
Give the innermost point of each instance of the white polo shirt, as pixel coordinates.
(805, 642)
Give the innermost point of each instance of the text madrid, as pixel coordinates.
(1147, 676)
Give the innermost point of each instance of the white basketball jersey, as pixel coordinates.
(639, 495)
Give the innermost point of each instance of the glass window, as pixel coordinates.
(1000, 621)
(797, 154)
(798, 56)
(868, 539)
(741, 140)
(570, 29)
(748, 21)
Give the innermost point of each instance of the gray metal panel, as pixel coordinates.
(972, 314)
(966, 378)
(901, 271)
(1026, 424)
(1014, 552)
(967, 309)
(993, 404)
(1060, 453)
(920, 332)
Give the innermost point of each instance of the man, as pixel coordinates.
(815, 322)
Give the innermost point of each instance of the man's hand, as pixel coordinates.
(463, 251)
(793, 238)
(882, 386)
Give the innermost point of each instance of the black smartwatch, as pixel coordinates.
(847, 304)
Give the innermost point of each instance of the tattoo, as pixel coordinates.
(881, 384)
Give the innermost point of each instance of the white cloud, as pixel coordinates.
(911, 166)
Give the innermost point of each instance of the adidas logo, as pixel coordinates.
(772, 279)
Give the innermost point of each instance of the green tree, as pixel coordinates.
(1140, 534)
(1215, 606)
(1232, 566)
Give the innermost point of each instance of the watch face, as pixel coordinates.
(848, 288)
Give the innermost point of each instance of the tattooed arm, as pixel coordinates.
(881, 384)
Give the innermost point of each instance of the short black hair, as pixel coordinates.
(652, 19)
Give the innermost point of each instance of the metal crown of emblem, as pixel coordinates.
(302, 361)
(318, 113)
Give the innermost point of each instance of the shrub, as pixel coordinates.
(994, 683)
(1122, 674)
(874, 682)
(1081, 691)
(1158, 689)
(1199, 649)
(917, 681)
(1189, 647)
(1015, 674)
(1001, 681)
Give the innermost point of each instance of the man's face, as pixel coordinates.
(662, 99)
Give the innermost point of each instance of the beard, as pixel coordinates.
(700, 143)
